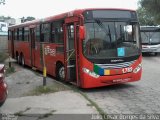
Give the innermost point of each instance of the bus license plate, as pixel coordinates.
(121, 80)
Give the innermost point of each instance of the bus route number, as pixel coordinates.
(127, 70)
(48, 50)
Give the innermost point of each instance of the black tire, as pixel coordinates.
(17, 58)
(60, 74)
(22, 61)
(1, 103)
(155, 54)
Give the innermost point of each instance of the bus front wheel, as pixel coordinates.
(60, 73)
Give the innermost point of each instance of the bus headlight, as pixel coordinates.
(91, 73)
(138, 68)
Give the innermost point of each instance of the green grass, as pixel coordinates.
(91, 102)
(47, 114)
(56, 87)
(3, 57)
(10, 70)
(21, 113)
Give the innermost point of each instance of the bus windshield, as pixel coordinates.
(150, 37)
(107, 40)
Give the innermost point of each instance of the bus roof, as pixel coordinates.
(62, 16)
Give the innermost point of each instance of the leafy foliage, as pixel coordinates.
(29, 18)
(3, 18)
(3, 57)
(52, 88)
(144, 17)
(152, 8)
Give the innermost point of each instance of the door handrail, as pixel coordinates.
(70, 55)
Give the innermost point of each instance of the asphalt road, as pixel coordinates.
(142, 97)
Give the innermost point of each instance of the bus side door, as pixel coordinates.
(71, 50)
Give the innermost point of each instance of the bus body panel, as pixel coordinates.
(151, 48)
(52, 56)
(90, 82)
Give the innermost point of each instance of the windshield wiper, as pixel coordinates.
(121, 38)
(108, 33)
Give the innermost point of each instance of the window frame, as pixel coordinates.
(43, 32)
(57, 27)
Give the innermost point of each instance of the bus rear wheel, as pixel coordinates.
(60, 73)
(155, 54)
(17, 58)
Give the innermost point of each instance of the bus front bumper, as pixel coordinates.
(150, 48)
(92, 82)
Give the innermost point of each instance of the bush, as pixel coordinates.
(10, 70)
(52, 88)
(3, 57)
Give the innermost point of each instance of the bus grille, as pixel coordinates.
(116, 66)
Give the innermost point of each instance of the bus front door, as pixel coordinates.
(71, 53)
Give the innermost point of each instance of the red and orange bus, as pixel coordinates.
(87, 47)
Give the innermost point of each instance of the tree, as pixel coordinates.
(29, 18)
(144, 17)
(2, 2)
(3, 18)
(152, 7)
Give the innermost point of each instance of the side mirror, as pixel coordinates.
(82, 32)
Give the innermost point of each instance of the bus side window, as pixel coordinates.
(21, 34)
(13, 35)
(17, 34)
(57, 32)
(42, 37)
(9, 35)
(26, 34)
(52, 37)
(45, 32)
(38, 33)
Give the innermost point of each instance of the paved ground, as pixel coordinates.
(64, 104)
(132, 98)
(141, 97)
(59, 103)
